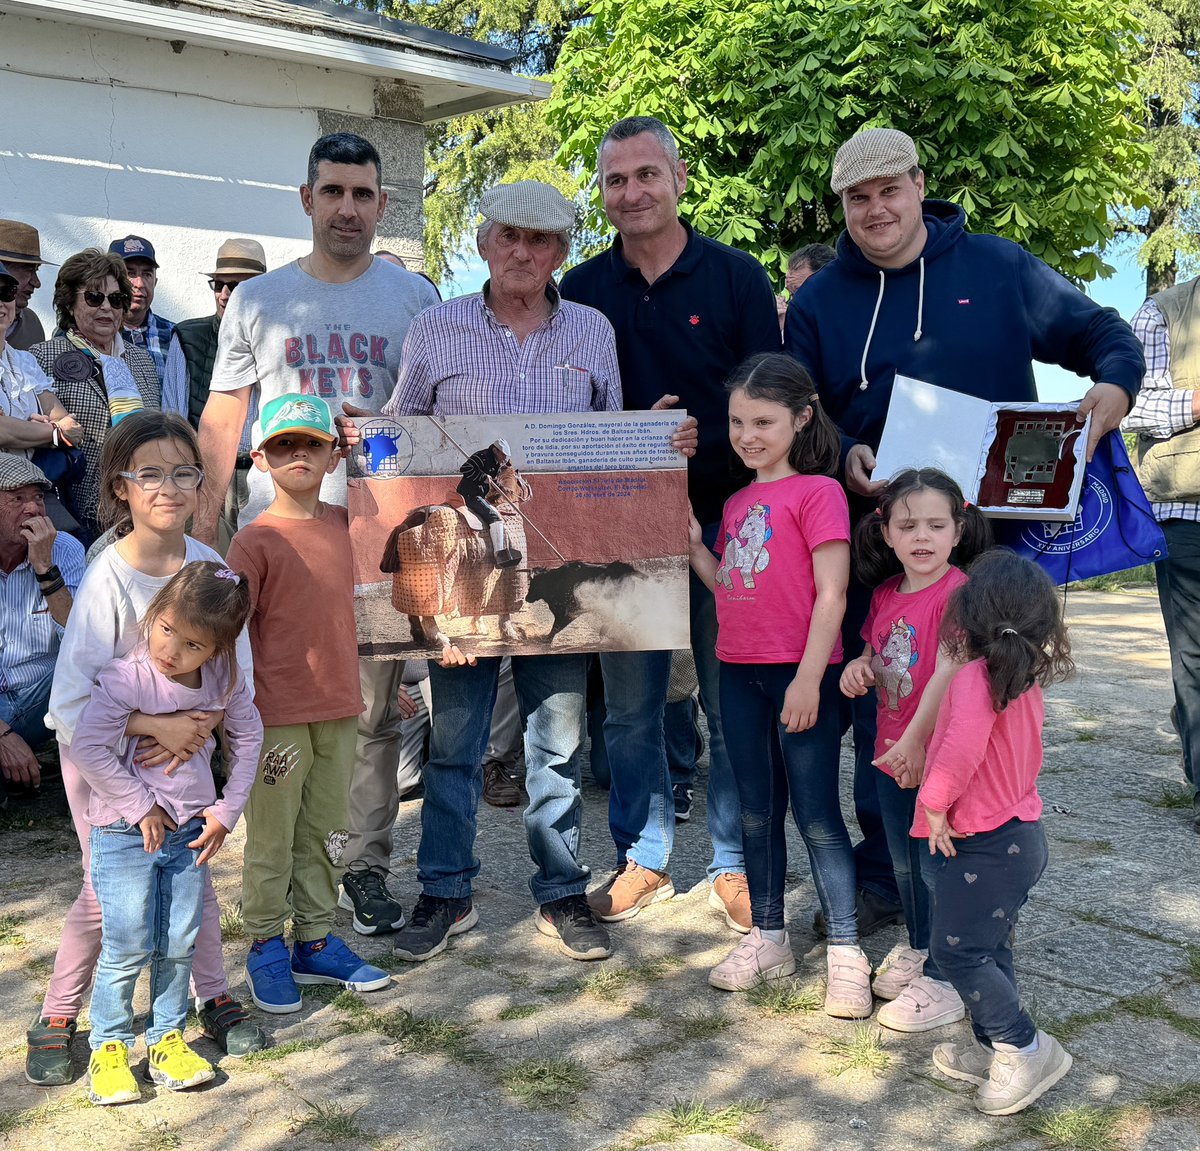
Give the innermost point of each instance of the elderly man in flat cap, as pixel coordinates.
(21, 251)
(514, 347)
(40, 570)
(913, 292)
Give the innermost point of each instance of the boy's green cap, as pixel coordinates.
(293, 412)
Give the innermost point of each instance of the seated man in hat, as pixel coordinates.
(145, 329)
(238, 260)
(40, 570)
(20, 249)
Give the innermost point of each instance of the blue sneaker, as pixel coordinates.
(329, 960)
(269, 977)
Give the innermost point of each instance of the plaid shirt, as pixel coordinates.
(459, 360)
(1160, 410)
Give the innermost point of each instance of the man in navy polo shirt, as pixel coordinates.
(686, 311)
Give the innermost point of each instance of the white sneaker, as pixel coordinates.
(900, 967)
(752, 961)
(1015, 1080)
(848, 987)
(922, 1006)
(968, 1061)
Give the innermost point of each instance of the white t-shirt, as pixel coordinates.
(21, 382)
(103, 626)
(289, 332)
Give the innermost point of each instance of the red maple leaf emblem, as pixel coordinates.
(693, 320)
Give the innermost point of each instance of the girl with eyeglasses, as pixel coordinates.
(149, 480)
(100, 378)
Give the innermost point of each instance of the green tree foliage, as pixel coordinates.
(1169, 87)
(467, 155)
(1021, 110)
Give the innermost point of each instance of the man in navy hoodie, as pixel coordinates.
(911, 291)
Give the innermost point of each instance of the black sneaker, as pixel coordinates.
(682, 794)
(433, 922)
(48, 1051)
(571, 922)
(364, 891)
(872, 912)
(225, 1021)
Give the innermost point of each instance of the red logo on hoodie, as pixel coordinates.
(693, 320)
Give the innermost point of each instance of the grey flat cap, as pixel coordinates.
(17, 472)
(871, 154)
(528, 204)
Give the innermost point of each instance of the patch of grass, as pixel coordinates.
(279, 1051)
(1192, 964)
(544, 1083)
(1081, 1129)
(10, 932)
(785, 997)
(326, 993)
(1086, 737)
(692, 1027)
(330, 1123)
(11, 1118)
(155, 1137)
(643, 1011)
(1117, 581)
(420, 1034)
(1073, 1025)
(518, 1011)
(232, 924)
(1174, 796)
(695, 1117)
(1155, 1007)
(477, 959)
(608, 982)
(862, 1052)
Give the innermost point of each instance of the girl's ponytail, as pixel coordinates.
(976, 536)
(874, 561)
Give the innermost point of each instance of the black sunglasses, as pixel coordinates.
(119, 301)
(8, 293)
(219, 286)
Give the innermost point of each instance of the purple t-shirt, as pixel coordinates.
(764, 587)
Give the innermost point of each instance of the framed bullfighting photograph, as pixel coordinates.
(519, 534)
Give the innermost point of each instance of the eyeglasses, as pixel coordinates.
(8, 293)
(219, 286)
(119, 301)
(151, 479)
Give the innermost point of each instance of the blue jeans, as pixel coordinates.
(550, 695)
(150, 910)
(724, 810)
(641, 810)
(25, 710)
(897, 806)
(685, 744)
(976, 897)
(771, 764)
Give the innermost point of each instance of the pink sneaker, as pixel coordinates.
(901, 966)
(923, 1005)
(848, 991)
(753, 960)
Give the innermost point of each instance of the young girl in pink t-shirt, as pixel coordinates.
(780, 586)
(908, 549)
(978, 809)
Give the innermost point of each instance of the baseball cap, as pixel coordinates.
(133, 248)
(871, 154)
(17, 472)
(293, 412)
(528, 204)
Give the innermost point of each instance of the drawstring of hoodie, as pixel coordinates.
(862, 367)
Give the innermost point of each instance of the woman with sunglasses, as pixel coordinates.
(99, 377)
(31, 415)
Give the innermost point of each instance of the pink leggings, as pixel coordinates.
(80, 945)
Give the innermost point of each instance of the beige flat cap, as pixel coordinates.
(528, 204)
(871, 154)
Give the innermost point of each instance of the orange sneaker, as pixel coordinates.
(731, 894)
(631, 889)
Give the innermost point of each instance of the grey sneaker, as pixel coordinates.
(968, 1061)
(1015, 1080)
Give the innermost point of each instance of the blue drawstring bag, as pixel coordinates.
(1113, 530)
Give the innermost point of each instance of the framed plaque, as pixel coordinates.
(1014, 461)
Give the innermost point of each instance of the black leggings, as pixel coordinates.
(975, 899)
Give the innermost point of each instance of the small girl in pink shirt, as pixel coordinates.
(978, 807)
(153, 832)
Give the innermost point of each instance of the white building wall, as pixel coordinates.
(106, 135)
